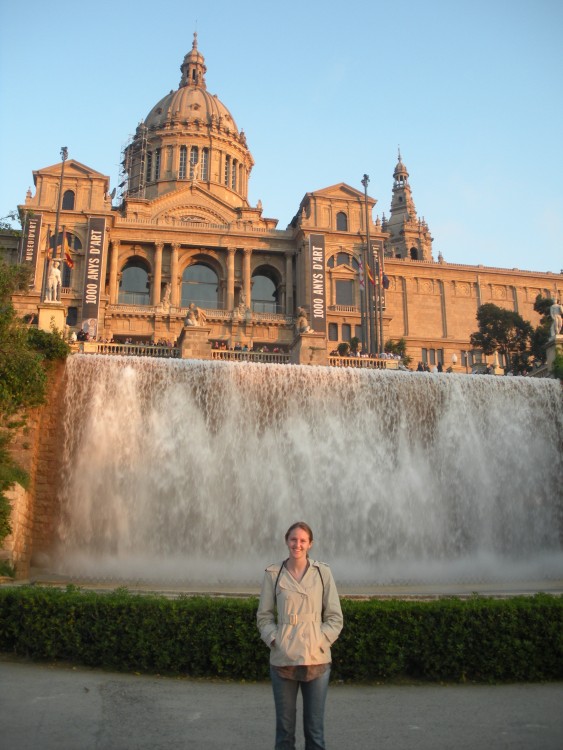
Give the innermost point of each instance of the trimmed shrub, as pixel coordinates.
(477, 639)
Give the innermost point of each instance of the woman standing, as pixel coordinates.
(309, 620)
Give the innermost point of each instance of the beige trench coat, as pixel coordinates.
(309, 615)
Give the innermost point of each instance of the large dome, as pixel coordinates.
(189, 136)
(191, 102)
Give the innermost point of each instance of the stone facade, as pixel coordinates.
(184, 232)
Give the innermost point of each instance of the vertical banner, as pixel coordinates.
(92, 277)
(318, 283)
(31, 244)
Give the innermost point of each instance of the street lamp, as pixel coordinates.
(64, 157)
(369, 272)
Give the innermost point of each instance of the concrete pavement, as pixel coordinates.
(60, 707)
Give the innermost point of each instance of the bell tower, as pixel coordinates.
(409, 235)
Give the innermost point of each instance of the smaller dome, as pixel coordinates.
(400, 169)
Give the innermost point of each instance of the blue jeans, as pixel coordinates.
(314, 699)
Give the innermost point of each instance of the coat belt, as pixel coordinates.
(293, 619)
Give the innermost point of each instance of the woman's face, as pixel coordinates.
(298, 544)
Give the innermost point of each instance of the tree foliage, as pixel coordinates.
(24, 352)
(503, 331)
(541, 334)
(558, 366)
(399, 347)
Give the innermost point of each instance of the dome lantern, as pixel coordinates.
(193, 68)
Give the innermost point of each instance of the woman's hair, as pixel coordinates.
(300, 525)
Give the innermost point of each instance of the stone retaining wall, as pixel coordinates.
(35, 513)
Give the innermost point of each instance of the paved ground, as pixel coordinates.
(48, 707)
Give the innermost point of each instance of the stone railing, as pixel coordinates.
(344, 308)
(237, 226)
(280, 358)
(128, 350)
(210, 313)
(364, 362)
(227, 355)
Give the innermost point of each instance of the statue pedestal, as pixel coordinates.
(51, 314)
(309, 349)
(194, 343)
(553, 346)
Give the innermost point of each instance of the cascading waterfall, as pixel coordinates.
(191, 471)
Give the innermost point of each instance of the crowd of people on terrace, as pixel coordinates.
(82, 335)
(366, 355)
(238, 347)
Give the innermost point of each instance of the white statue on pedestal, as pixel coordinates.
(54, 282)
(556, 312)
(166, 296)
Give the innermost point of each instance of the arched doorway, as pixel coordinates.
(265, 297)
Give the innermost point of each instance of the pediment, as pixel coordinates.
(73, 168)
(340, 191)
(192, 204)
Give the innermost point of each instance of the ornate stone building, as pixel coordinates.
(184, 232)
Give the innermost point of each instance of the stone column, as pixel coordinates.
(289, 284)
(231, 278)
(157, 273)
(113, 280)
(175, 287)
(246, 278)
(444, 302)
(405, 305)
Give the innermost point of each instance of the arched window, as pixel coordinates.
(264, 294)
(157, 155)
(205, 164)
(234, 175)
(341, 222)
(227, 169)
(70, 244)
(134, 284)
(342, 259)
(414, 253)
(68, 200)
(149, 166)
(183, 162)
(201, 286)
(66, 276)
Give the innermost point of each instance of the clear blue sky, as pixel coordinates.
(471, 91)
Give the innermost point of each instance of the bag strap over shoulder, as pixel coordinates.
(282, 566)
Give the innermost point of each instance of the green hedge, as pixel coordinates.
(477, 639)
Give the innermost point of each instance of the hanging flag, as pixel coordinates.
(68, 255)
(49, 245)
(361, 273)
(385, 281)
(370, 276)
